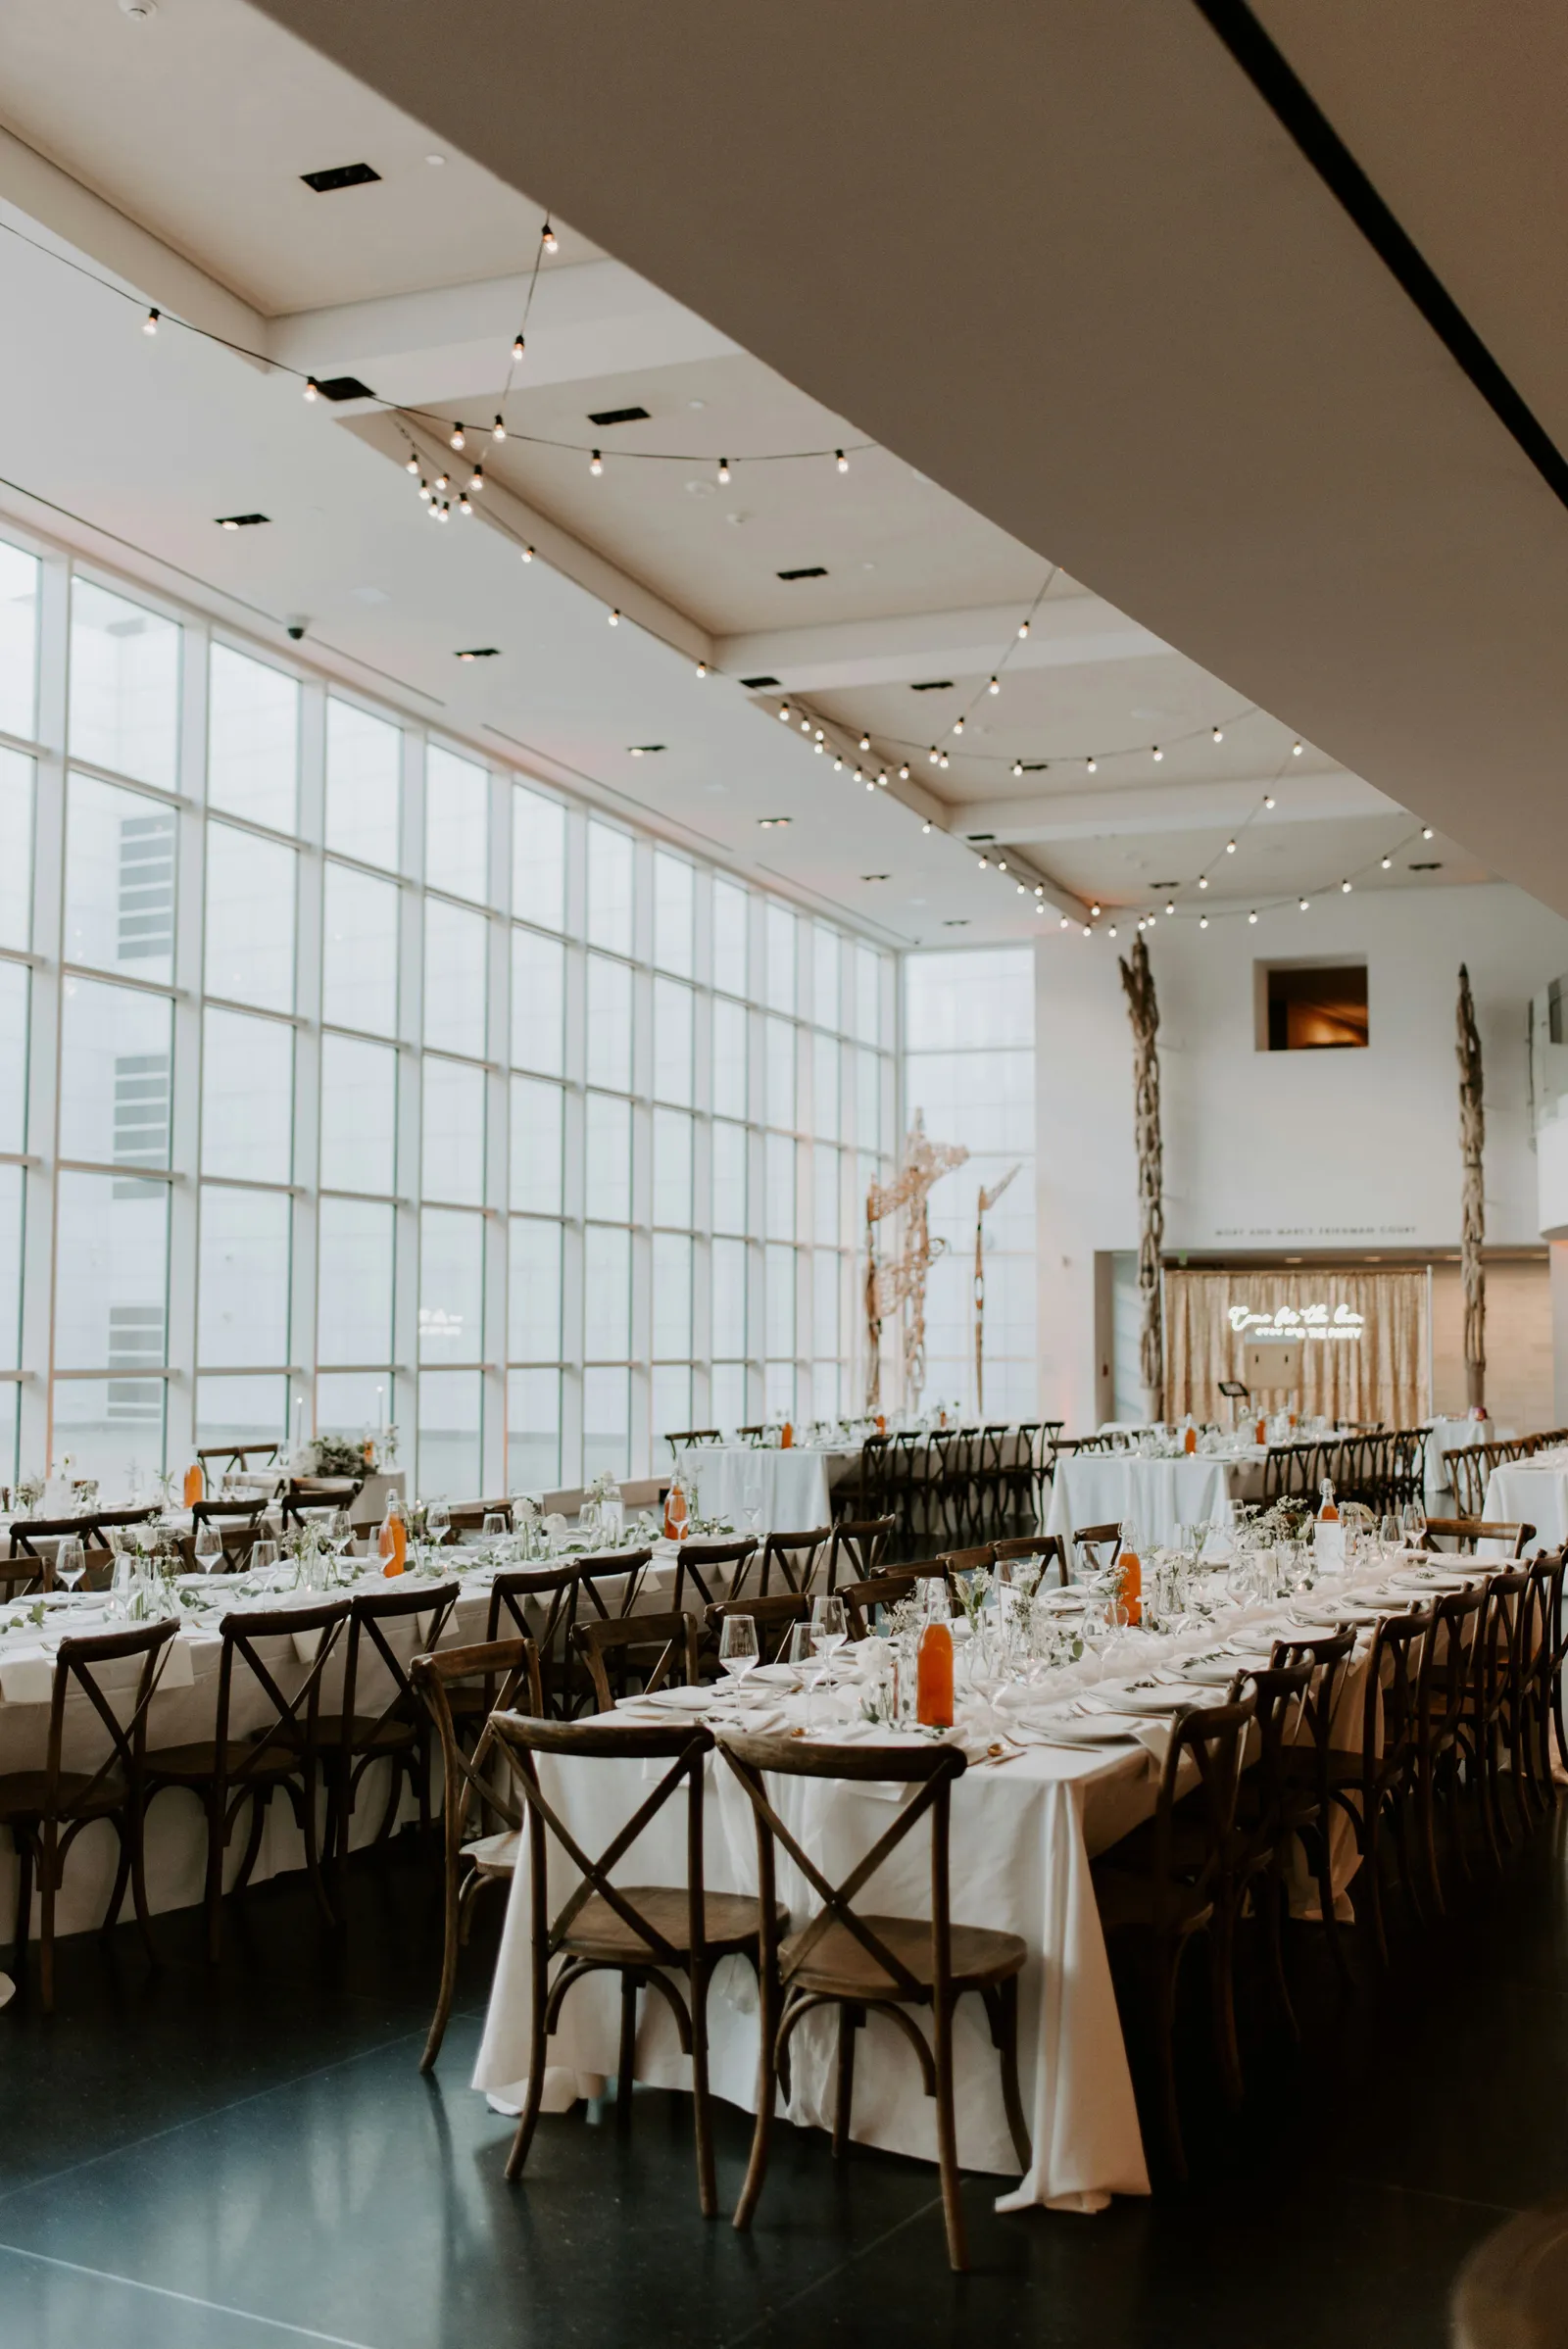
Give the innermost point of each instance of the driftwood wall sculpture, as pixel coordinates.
(1473, 1204)
(984, 1203)
(1143, 1011)
(902, 1282)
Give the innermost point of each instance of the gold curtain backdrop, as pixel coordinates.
(1381, 1372)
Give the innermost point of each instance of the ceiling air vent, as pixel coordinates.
(933, 685)
(759, 684)
(807, 570)
(617, 415)
(344, 387)
(343, 175)
(241, 521)
(480, 652)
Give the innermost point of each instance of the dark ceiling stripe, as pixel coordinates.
(1293, 104)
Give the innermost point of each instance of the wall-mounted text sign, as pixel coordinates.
(1291, 1321)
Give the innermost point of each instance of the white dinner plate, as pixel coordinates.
(1081, 1729)
(672, 1700)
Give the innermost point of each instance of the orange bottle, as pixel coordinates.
(1132, 1585)
(1260, 1432)
(195, 1484)
(1329, 1510)
(786, 1436)
(676, 1514)
(933, 1702)
(1190, 1441)
(881, 1423)
(392, 1543)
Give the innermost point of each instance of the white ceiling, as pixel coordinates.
(193, 126)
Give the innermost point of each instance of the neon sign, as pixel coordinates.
(1288, 1322)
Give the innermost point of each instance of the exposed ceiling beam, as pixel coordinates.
(52, 200)
(1169, 807)
(1066, 632)
(453, 342)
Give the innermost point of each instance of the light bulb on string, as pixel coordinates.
(1088, 933)
(838, 767)
(1388, 865)
(784, 713)
(1023, 630)
(1219, 733)
(806, 725)
(1426, 831)
(904, 772)
(615, 620)
(1148, 921)
(1040, 889)
(458, 440)
(984, 861)
(957, 725)
(1002, 864)
(476, 479)
(516, 346)
(1063, 923)
(1203, 921)
(882, 780)
(994, 685)
(549, 239)
(723, 468)
(701, 668)
(1230, 848)
(443, 481)
(1202, 880)
(596, 464)
(1345, 889)
(1112, 932)
(1157, 754)
(1251, 917)
(463, 505)
(933, 754)
(1268, 799)
(411, 462)
(841, 461)
(819, 746)
(528, 554)
(498, 431)
(865, 742)
(312, 390)
(1017, 767)
(1296, 750)
(149, 324)
(1092, 765)
(1170, 905)
(1140, 929)
(424, 489)
(1305, 901)
(927, 826)
(943, 760)
(1094, 912)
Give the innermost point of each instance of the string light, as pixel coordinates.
(549, 241)
(1092, 765)
(476, 479)
(1268, 799)
(841, 461)
(1017, 767)
(596, 464)
(1296, 750)
(528, 554)
(424, 489)
(701, 668)
(1202, 880)
(784, 713)
(498, 431)
(463, 505)
(927, 826)
(838, 767)
(1305, 903)
(443, 481)
(1157, 754)
(865, 742)
(1251, 917)
(882, 780)
(943, 760)
(994, 685)
(904, 777)
(984, 861)
(1345, 889)
(1063, 923)
(934, 754)
(1203, 921)
(1219, 733)
(1230, 848)
(312, 390)
(723, 468)
(615, 620)
(1094, 912)
(1388, 865)
(1112, 930)
(1023, 630)
(458, 438)
(412, 464)
(1002, 864)
(806, 725)
(1170, 905)
(149, 324)
(1426, 831)
(516, 347)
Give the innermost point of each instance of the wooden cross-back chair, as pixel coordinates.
(238, 1456)
(303, 1500)
(519, 1597)
(858, 1545)
(1494, 1707)
(652, 1648)
(1462, 1475)
(47, 1809)
(398, 1734)
(796, 1557)
(1546, 1652)
(497, 1672)
(1465, 1532)
(1020, 1548)
(1376, 1783)
(228, 1771)
(713, 1569)
(678, 1437)
(862, 1599)
(1096, 1549)
(1446, 1668)
(27, 1577)
(644, 1934)
(775, 1618)
(860, 1963)
(1309, 1764)
(239, 1526)
(91, 1525)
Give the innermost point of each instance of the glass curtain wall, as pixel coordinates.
(969, 1063)
(347, 1079)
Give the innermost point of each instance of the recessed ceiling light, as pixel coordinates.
(344, 387)
(241, 521)
(645, 750)
(479, 652)
(138, 10)
(341, 174)
(436, 160)
(806, 570)
(933, 685)
(876, 876)
(759, 684)
(774, 823)
(960, 923)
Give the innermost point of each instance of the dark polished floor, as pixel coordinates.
(192, 2160)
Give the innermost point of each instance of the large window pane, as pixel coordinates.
(867, 990)
(780, 1207)
(453, 1132)
(360, 951)
(730, 1201)
(729, 1299)
(606, 1301)
(729, 938)
(538, 1001)
(115, 1049)
(14, 991)
(672, 1041)
(533, 1310)
(672, 1168)
(825, 1302)
(607, 1168)
(457, 824)
(451, 1285)
(728, 1388)
(605, 1422)
(243, 1284)
(364, 784)
(247, 1096)
(672, 1296)
(16, 840)
(18, 642)
(674, 914)
(779, 1048)
(609, 1024)
(780, 1300)
(113, 1430)
(533, 1430)
(12, 1195)
(609, 887)
(125, 686)
(120, 880)
(826, 976)
(359, 1114)
(538, 858)
(348, 1402)
(730, 1058)
(778, 1391)
(825, 1086)
(672, 1396)
(779, 939)
(242, 1410)
(456, 952)
(111, 1274)
(354, 1282)
(252, 740)
(825, 1184)
(867, 1100)
(250, 919)
(451, 1428)
(536, 1145)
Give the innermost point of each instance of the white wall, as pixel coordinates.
(1269, 1151)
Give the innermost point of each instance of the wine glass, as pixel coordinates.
(1414, 1520)
(737, 1647)
(438, 1522)
(70, 1561)
(494, 1527)
(1390, 1535)
(803, 1659)
(264, 1554)
(208, 1546)
(829, 1629)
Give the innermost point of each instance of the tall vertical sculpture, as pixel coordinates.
(1473, 1201)
(903, 1280)
(1143, 1011)
(984, 1203)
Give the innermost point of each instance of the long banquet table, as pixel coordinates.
(1106, 1487)
(1024, 1831)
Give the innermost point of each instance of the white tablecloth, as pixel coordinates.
(789, 1489)
(1097, 1488)
(1521, 1492)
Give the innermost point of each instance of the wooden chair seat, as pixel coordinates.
(366, 1733)
(841, 1967)
(187, 1765)
(1128, 1899)
(731, 1921)
(25, 1794)
(494, 1855)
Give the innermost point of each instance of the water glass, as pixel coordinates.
(70, 1561)
(438, 1521)
(264, 1554)
(737, 1647)
(1413, 1518)
(208, 1546)
(803, 1659)
(829, 1627)
(494, 1527)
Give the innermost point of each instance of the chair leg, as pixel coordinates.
(1006, 2032)
(48, 1882)
(213, 1892)
(449, 1966)
(313, 1850)
(1222, 1999)
(767, 2024)
(1427, 1816)
(1167, 1966)
(117, 1897)
(948, 2137)
(702, 2108)
(260, 1801)
(628, 2048)
(23, 1933)
(1275, 1897)
(530, 2118)
(850, 2018)
(138, 1877)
